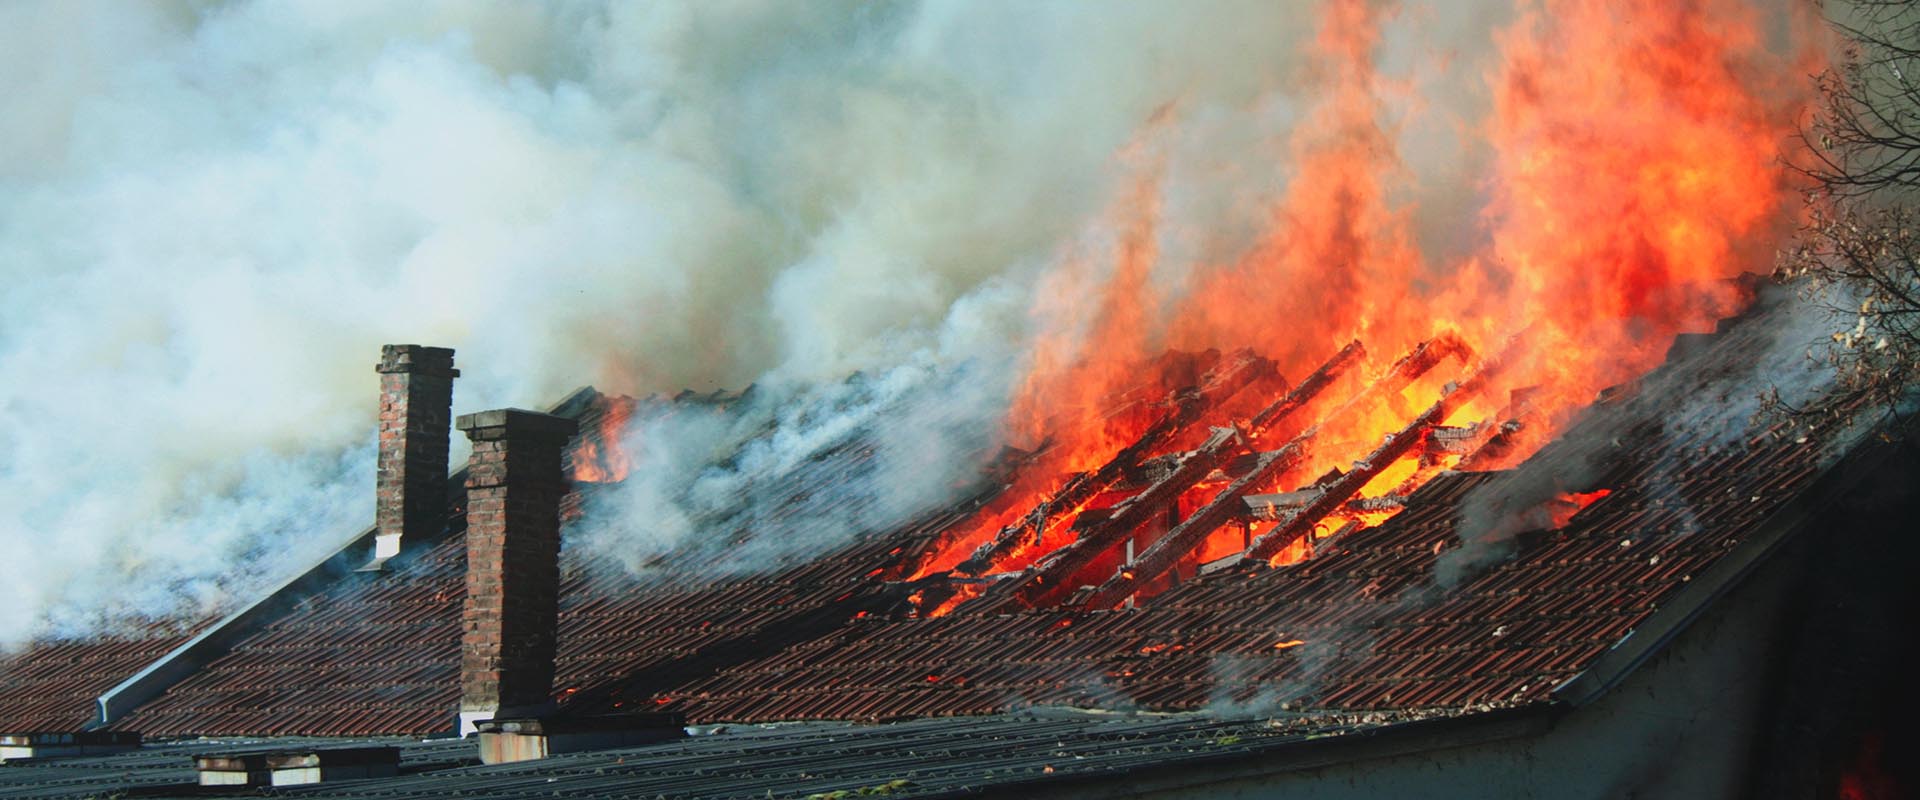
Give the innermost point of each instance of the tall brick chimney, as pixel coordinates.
(416, 401)
(514, 486)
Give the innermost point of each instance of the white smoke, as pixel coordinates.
(211, 216)
(791, 471)
(1715, 403)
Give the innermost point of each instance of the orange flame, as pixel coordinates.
(1067, 401)
(599, 454)
(1636, 168)
(1336, 254)
(1295, 552)
(1561, 510)
(1553, 513)
(963, 593)
(1634, 171)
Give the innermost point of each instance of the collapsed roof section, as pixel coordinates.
(1485, 590)
(1395, 585)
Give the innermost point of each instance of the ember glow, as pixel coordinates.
(1561, 510)
(1634, 173)
(1867, 778)
(939, 603)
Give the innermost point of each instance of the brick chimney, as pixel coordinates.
(416, 401)
(514, 486)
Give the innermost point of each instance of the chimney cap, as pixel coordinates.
(516, 423)
(416, 359)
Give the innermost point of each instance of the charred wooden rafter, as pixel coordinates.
(1445, 440)
(1270, 507)
(1228, 504)
(1191, 532)
(931, 595)
(1338, 491)
(1049, 582)
(1442, 441)
(1409, 368)
(1315, 544)
(1521, 411)
(1258, 511)
(1495, 448)
(1309, 388)
(1189, 405)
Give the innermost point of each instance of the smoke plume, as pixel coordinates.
(212, 214)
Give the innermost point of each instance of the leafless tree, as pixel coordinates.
(1858, 251)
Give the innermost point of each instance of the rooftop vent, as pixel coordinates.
(504, 741)
(295, 767)
(53, 744)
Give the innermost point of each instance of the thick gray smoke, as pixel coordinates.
(212, 214)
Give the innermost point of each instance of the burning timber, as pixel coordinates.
(1230, 466)
(1177, 542)
(1345, 486)
(1189, 404)
(1043, 585)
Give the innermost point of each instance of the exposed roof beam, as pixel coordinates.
(1050, 513)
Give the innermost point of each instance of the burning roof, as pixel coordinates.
(1397, 584)
(1421, 612)
(1312, 470)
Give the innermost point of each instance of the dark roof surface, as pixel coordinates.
(51, 685)
(378, 653)
(167, 769)
(950, 757)
(1365, 625)
(372, 654)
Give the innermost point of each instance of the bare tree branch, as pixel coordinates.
(1858, 251)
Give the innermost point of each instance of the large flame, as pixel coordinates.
(1336, 255)
(1637, 167)
(1634, 171)
(1067, 401)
